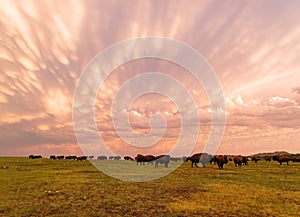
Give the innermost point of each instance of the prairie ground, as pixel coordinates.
(44, 187)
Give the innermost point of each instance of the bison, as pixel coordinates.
(52, 157)
(34, 156)
(139, 158)
(61, 157)
(281, 159)
(220, 160)
(128, 158)
(71, 157)
(102, 157)
(245, 161)
(81, 158)
(149, 159)
(202, 158)
(240, 160)
(162, 159)
(142, 159)
(114, 158)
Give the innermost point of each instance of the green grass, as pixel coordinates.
(46, 187)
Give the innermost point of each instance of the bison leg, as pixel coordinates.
(196, 164)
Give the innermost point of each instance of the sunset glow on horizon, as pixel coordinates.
(253, 47)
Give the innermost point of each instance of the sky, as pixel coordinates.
(252, 46)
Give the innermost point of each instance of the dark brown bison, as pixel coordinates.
(238, 161)
(52, 157)
(81, 158)
(128, 158)
(71, 157)
(245, 161)
(61, 157)
(281, 159)
(202, 158)
(142, 159)
(162, 159)
(139, 159)
(102, 157)
(34, 156)
(220, 160)
(149, 159)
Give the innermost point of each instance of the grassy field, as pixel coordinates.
(44, 187)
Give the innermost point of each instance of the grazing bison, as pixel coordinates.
(245, 161)
(34, 156)
(52, 157)
(71, 157)
(128, 158)
(149, 159)
(61, 157)
(102, 157)
(202, 158)
(162, 159)
(142, 159)
(139, 159)
(81, 158)
(281, 159)
(238, 161)
(220, 160)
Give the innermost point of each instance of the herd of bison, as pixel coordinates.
(203, 158)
